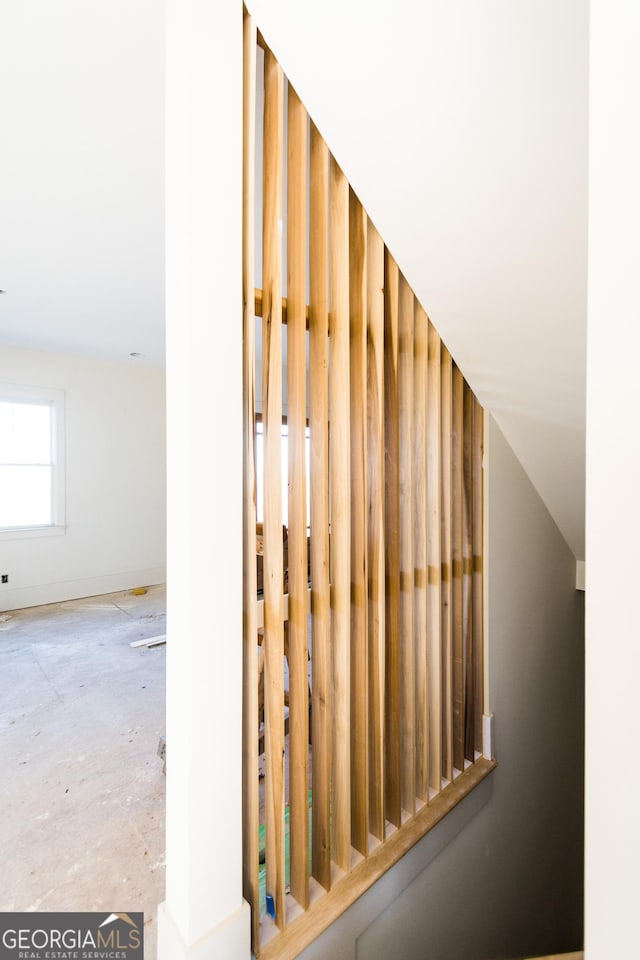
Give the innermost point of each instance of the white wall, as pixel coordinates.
(204, 915)
(114, 478)
(613, 484)
(501, 876)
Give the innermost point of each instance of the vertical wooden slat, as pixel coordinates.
(340, 515)
(250, 812)
(467, 573)
(393, 724)
(272, 427)
(318, 422)
(478, 525)
(446, 622)
(375, 525)
(405, 456)
(421, 379)
(456, 556)
(297, 539)
(434, 505)
(358, 413)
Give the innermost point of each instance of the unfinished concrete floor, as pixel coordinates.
(82, 789)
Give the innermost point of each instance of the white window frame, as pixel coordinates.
(284, 436)
(19, 393)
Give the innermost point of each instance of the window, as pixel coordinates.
(31, 461)
(285, 472)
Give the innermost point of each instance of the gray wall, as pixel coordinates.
(501, 876)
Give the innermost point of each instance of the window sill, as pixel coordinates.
(28, 533)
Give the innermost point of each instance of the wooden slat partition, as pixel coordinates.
(297, 533)
(434, 556)
(272, 483)
(340, 517)
(405, 456)
(421, 561)
(318, 420)
(392, 559)
(446, 373)
(375, 526)
(250, 802)
(393, 693)
(358, 426)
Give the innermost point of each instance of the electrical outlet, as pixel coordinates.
(5, 578)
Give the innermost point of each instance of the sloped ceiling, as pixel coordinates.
(461, 125)
(463, 128)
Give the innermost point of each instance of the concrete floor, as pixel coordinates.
(82, 789)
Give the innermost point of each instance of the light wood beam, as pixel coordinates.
(393, 696)
(297, 507)
(272, 427)
(457, 641)
(446, 565)
(375, 526)
(434, 506)
(478, 600)
(468, 633)
(318, 419)
(358, 407)
(340, 505)
(421, 377)
(407, 639)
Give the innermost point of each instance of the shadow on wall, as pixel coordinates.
(502, 875)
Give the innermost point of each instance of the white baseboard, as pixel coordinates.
(488, 736)
(230, 940)
(36, 595)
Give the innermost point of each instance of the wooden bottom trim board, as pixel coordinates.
(303, 930)
(579, 955)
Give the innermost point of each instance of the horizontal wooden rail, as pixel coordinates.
(285, 609)
(258, 307)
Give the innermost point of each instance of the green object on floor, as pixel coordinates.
(262, 870)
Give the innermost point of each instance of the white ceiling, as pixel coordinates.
(461, 125)
(82, 177)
